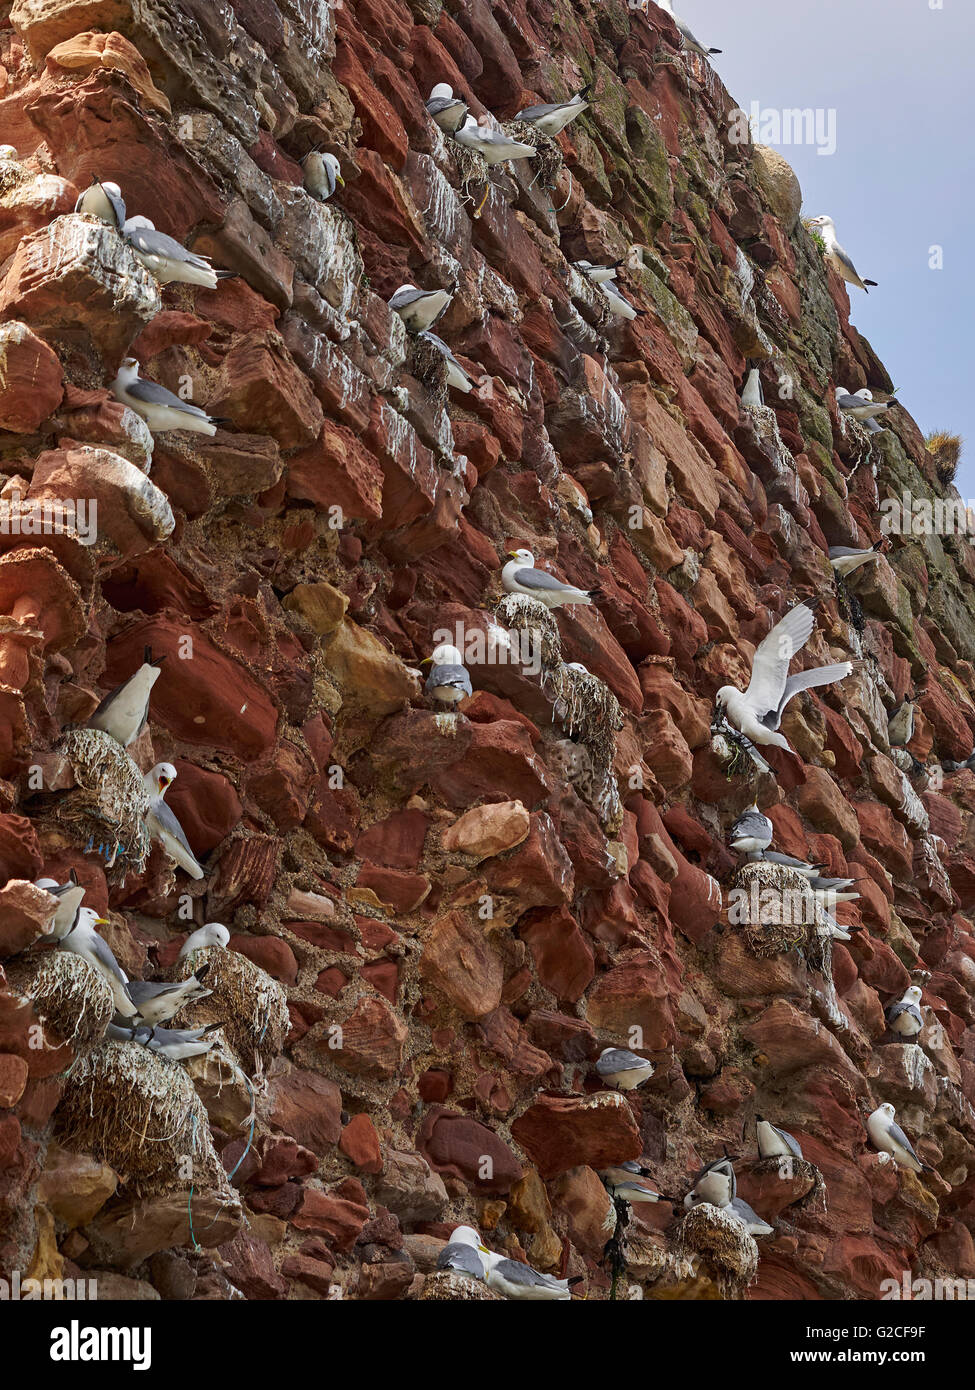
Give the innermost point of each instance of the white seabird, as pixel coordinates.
(887, 1136)
(157, 1002)
(69, 897)
(905, 1016)
(457, 377)
(175, 1043)
(835, 254)
(104, 201)
(598, 274)
(493, 146)
(625, 1070)
(757, 712)
(553, 117)
(167, 260)
(752, 393)
(787, 861)
(520, 576)
(162, 822)
(84, 941)
(462, 1254)
(449, 112)
(900, 725)
(752, 832)
(161, 409)
(715, 1183)
(774, 1142)
(521, 1282)
(213, 934)
(618, 306)
(844, 559)
(124, 711)
(448, 680)
(628, 1182)
(419, 308)
(862, 406)
(690, 42)
(320, 174)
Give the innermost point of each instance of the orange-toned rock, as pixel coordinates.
(31, 376)
(86, 52)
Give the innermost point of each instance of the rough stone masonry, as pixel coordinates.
(459, 917)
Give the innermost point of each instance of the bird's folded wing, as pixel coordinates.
(773, 654)
(840, 255)
(403, 297)
(899, 1137)
(152, 243)
(167, 821)
(750, 825)
(102, 952)
(618, 1059)
(151, 393)
(141, 991)
(541, 580)
(455, 676)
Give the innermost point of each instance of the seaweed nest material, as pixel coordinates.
(67, 994)
(777, 912)
(139, 1113)
(723, 1243)
(105, 811)
(548, 159)
(251, 1005)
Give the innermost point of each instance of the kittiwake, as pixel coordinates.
(419, 308)
(104, 201)
(553, 117)
(320, 174)
(167, 260)
(448, 681)
(752, 832)
(844, 559)
(835, 254)
(124, 711)
(157, 1002)
(457, 377)
(213, 934)
(449, 112)
(520, 576)
(887, 1136)
(905, 1016)
(715, 1183)
(69, 897)
(85, 941)
(521, 1282)
(623, 1069)
(692, 44)
(162, 823)
(493, 146)
(462, 1254)
(177, 1044)
(774, 1142)
(161, 409)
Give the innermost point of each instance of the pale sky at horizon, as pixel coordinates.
(898, 75)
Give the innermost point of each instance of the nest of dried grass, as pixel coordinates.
(105, 812)
(519, 613)
(722, 1241)
(426, 362)
(251, 1005)
(548, 160)
(590, 712)
(139, 1113)
(778, 912)
(446, 1285)
(472, 169)
(70, 996)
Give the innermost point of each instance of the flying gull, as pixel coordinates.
(552, 118)
(887, 1136)
(715, 1183)
(104, 201)
(623, 1069)
(213, 934)
(905, 1016)
(419, 308)
(448, 680)
(462, 1254)
(757, 713)
(159, 1002)
(69, 897)
(751, 833)
(774, 1142)
(844, 559)
(124, 711)
(167, 260)
(160, 409)
(835, 254)
(320, 174)
(84, 941)
(457, 377)
(177, 1044)
(162, 823)
(493, 146)
(449, 112)
(520, 576)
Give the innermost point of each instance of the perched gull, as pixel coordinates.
(900, 725)
(493, 146)
(887, 1136)
(162, 823)
(448, 680)
(774, 1142)
(844, 559)
(833, 890)
(462, 1254)
(7, 152)
(159, 1002)
(787, 861)
(598, 274)
(690, 42)
(84, 941)
(618, 306)
(457, 377)
(827, 925)
(715, 1183)
(752, 393)
(521, 1282)
(862, 406)
(835, 254)
(104, 201)
(321, 173)
(124, 711)
(623, 1069)
(520, 576)
(905, 1016)
(167, 260)
(628, 1182)
(419, 308)
(757, 713)
(175, 1043)
(554, 117)
(749, 1218)
(751, 833)
(69, 896)
(449, 112)
(213, 934)
(160, 409)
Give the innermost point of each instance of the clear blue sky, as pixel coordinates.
(900, 77)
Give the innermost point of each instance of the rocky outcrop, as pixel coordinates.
(458, 911)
